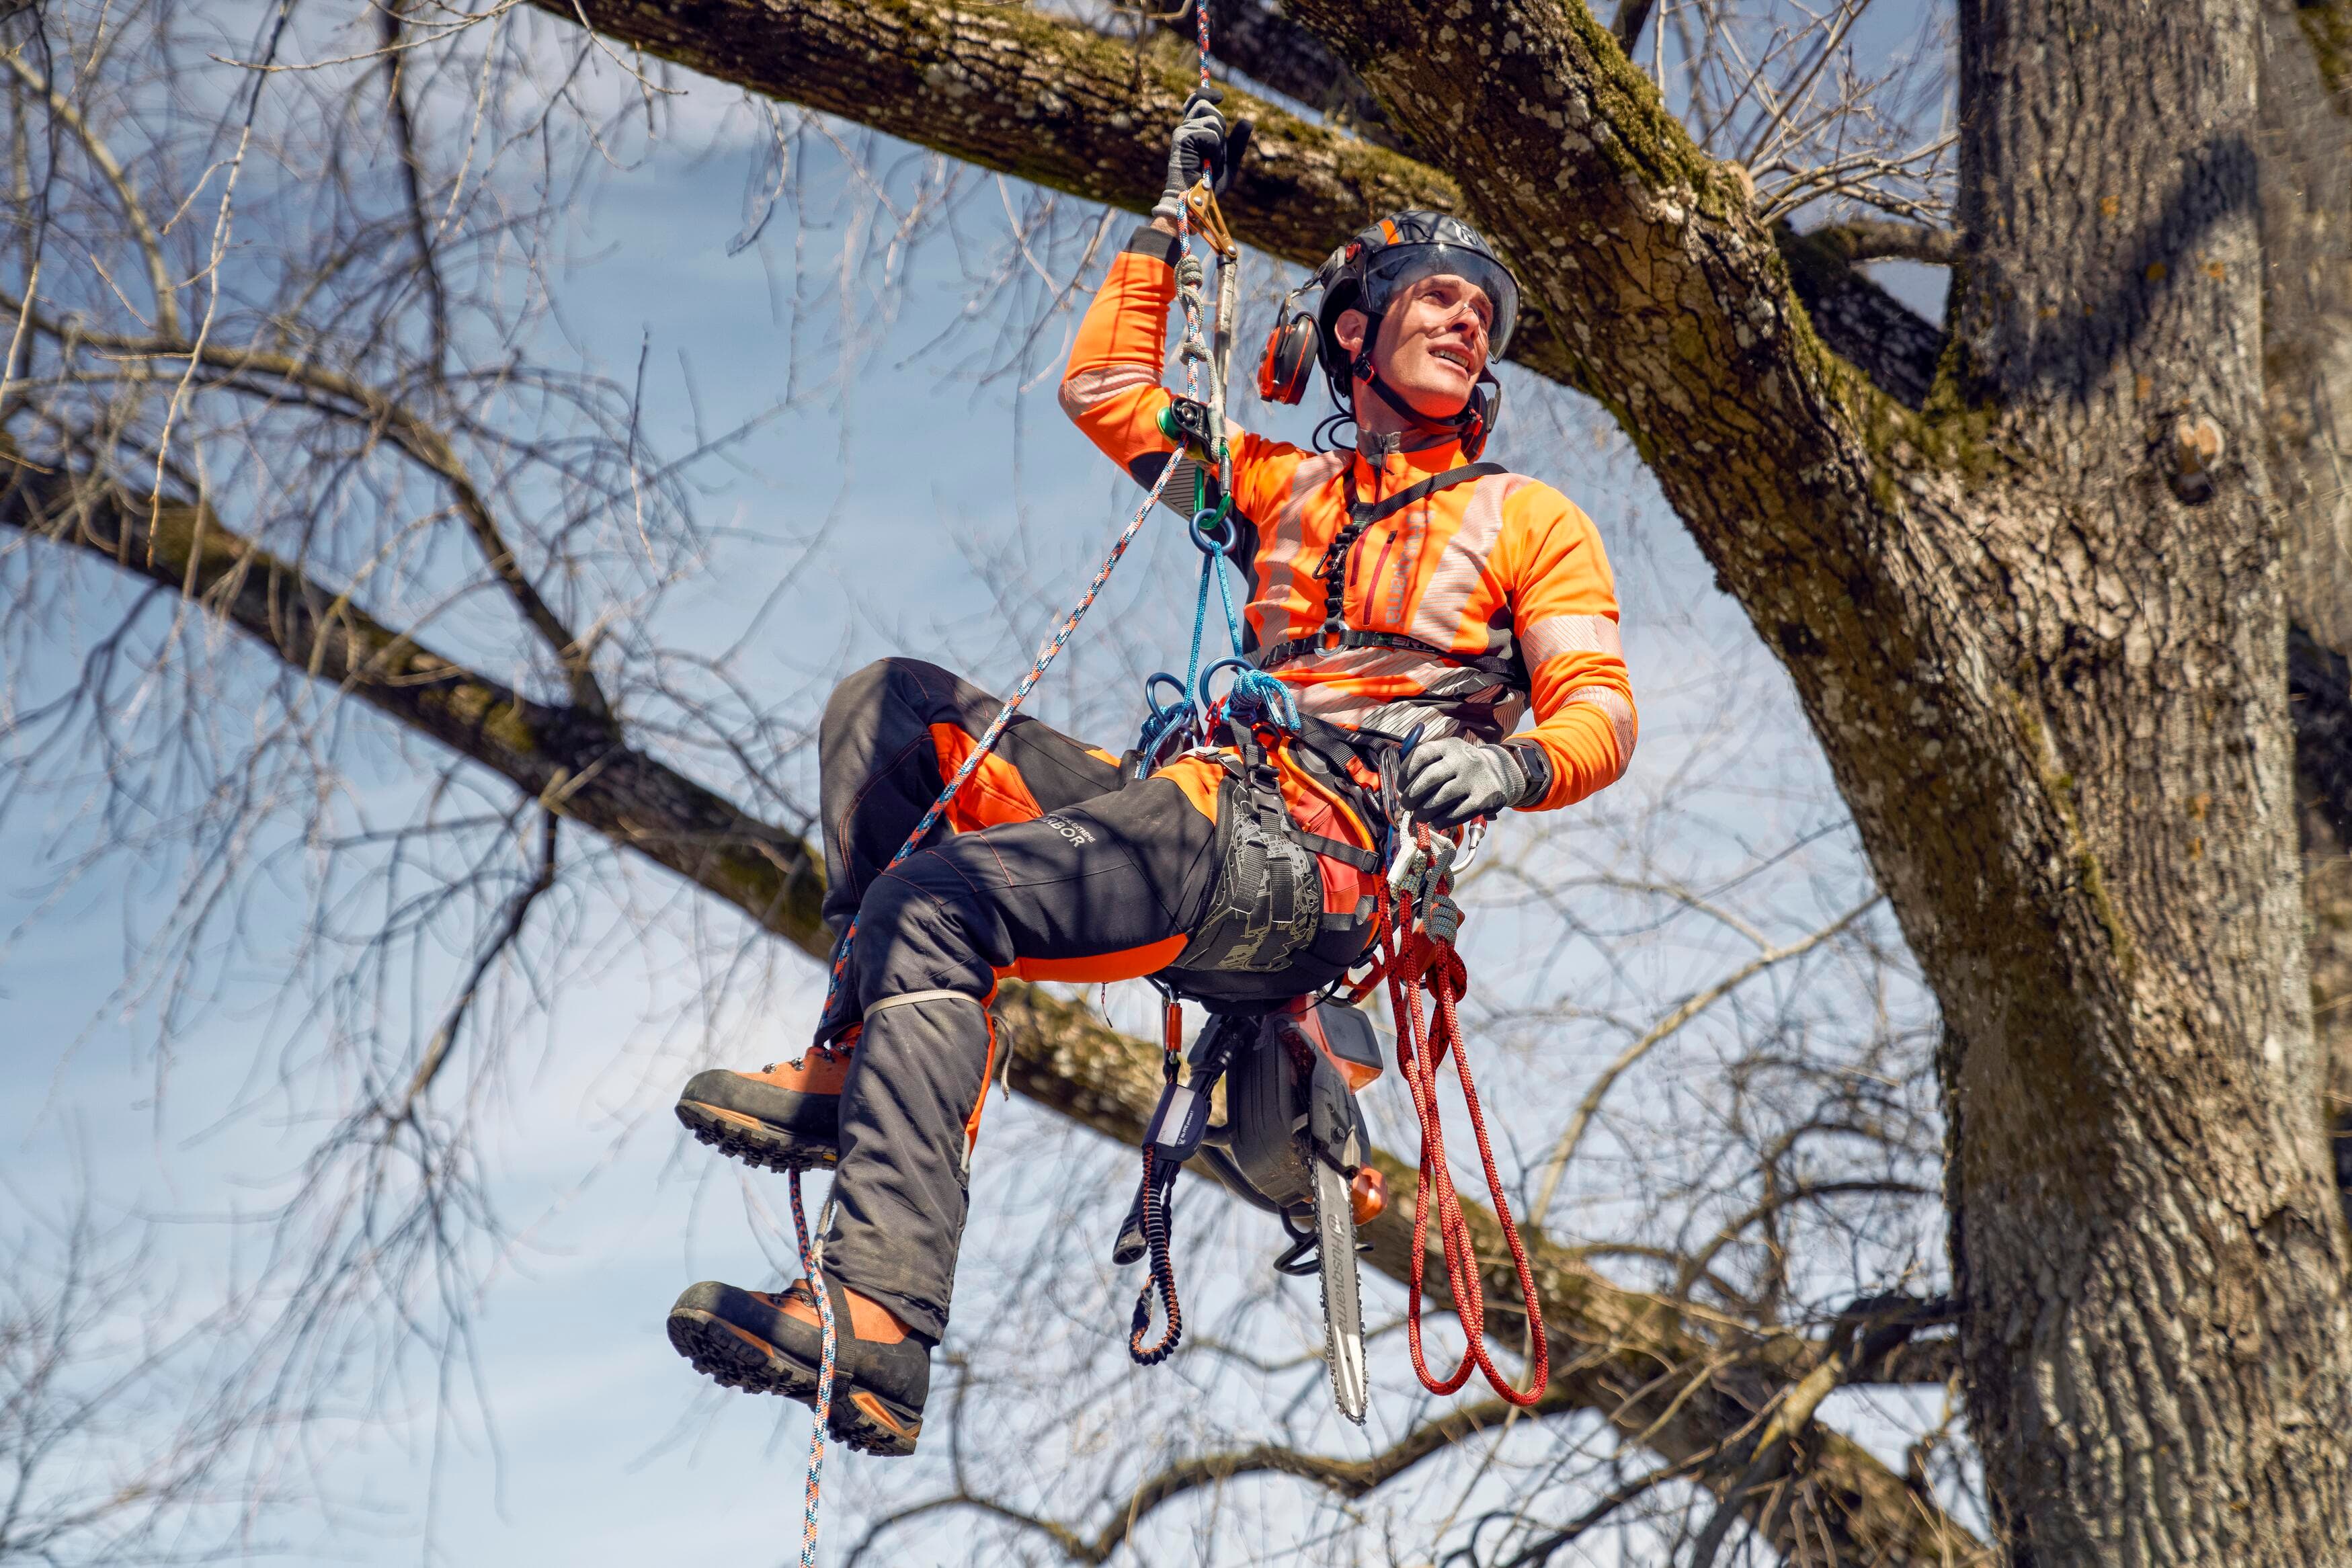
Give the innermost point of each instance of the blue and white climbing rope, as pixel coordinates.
(812, 1251)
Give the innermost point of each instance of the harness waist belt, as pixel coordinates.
(1292, 650)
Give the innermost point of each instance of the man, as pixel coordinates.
(1396, 587)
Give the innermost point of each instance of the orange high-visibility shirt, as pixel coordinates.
(1502, 569)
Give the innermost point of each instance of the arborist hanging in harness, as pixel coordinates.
(1397, 589)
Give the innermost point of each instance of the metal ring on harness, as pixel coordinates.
(1159, 715)
(1166, 726)
(1221, 514)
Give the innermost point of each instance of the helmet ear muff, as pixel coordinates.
(1291, 351)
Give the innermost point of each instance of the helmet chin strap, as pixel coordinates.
(1450, 426)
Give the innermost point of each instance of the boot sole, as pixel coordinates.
(737, 1358)
(754, 1142)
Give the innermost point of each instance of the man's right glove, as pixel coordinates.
(1199, 142)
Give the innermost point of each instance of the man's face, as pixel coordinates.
(1433, 342)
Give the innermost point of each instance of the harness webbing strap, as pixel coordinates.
(911, 999)
(1387, 507)
(1333, 849)
(1335, 632)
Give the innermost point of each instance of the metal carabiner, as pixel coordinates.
(1236, 663)
(1219, 516)
(1208, 222)
(1177, 721)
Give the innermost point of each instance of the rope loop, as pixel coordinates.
(1412, 960)
(1254, 697)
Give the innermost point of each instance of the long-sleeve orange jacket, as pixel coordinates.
(1466, 607)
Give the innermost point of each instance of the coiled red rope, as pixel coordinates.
(1161, 1279)
(1414, 960)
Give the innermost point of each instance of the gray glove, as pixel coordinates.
(1449, 782)
(1197, 144)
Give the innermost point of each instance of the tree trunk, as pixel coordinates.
(2307, 195)
(2146, 1243)
(2040, 634)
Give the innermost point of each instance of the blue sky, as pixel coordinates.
(922, 491)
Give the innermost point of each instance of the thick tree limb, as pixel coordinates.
(1667, 1378)
(1879, 239)
(1013, 89)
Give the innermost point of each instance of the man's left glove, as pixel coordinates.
(1449, 782)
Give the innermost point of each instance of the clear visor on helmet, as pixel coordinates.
(1398, 266)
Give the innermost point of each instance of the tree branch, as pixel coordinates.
(445, 1039)
(571, 761)
(1699, 1002)
(1883, 239)
(159, 277)
(1054, 102)
(1348, 1477)
(409, 432)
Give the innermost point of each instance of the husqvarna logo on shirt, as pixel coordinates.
(1077, 835)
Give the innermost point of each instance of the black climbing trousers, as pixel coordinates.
(1053, 865)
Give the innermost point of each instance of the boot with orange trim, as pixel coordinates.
(766, 1343)
(784, 1117)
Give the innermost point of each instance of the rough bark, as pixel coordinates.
(2307, 191)
(1682, 1386)
(2156, 1346)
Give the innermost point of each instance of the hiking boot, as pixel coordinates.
(784, 1117)
(746, 1340)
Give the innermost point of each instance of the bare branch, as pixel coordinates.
(1565, 1149)
(445, 1038)
(1346, 1477)
(1633, 15)
(571, 762)
(159, 275)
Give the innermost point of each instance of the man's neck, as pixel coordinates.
(1375, 415)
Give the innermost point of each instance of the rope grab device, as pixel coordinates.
(1317, 1047)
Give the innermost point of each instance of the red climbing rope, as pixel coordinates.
(1416, 960)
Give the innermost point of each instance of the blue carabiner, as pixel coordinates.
(1176, 718)
(1160, 716)
(1221, 514)
(1239, 666)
